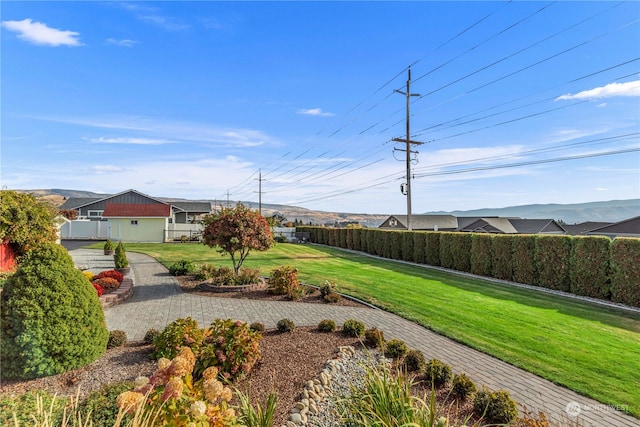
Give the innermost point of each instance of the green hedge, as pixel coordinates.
(625, 266)
(447, 250)
(501, 263)
(419, 247)
(432, 249)
(356, 239)
(396, 244)
(589, 267)
(407, 246)
(551, 257)
(462, 251)
(481, 254)
(523, 265)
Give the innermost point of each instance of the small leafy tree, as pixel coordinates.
(236, 232)
(25, 221)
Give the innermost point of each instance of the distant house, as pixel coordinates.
(583, 227)
(495, 225)
(132, 216)
(625, 228)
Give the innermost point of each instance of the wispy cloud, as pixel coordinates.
(40, 34)
(107, 169)
(153, 15)
(150, 129)
(135, 141)
(122, 42)
(607, 91)
(314, 112)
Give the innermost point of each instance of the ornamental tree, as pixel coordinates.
(25, 221)
(236, 232)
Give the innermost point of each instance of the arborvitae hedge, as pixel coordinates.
(552, 255)
(51, 319)
(407, 246)
(625, 266)
(342, 237)
(501, 257)
(355, 239)
(589, 267)
(419, 246)
(481, 254)
(396, 244)
(523, 263)
(447, 250)
(371, 241)
(387, 243)
(432, 249)
(462, 251)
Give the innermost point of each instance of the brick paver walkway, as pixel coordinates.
(158, 300)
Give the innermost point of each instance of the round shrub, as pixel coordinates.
(495, 407)
(51, 318)
(177, 334)
(414, 361)
(327, 325)
(181, 268)
(437, 373)
(285, 325)
(231, 346)
(257, 326)
(373, 338)
(327, 288)
(284, 281)
(150, 336)
(116, 339)
(353, 328)
(462, 386)
(332, 298)
(395, 349)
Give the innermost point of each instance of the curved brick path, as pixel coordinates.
(158, 300)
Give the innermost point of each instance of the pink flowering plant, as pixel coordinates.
(177, 400)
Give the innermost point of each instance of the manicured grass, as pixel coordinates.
(587, 348)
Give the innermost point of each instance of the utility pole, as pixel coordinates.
(227, 198)
(260, 191)
(407, 150)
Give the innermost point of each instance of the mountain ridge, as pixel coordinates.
(601, 211)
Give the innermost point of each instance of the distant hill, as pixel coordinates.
(609, 211)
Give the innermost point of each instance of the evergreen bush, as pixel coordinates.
(181, 268)
(501, 263)
(461, 247)
(551, 255)
(327, 325)
(481, 254)
(117, 338)
(374, 337)
(523, 264)
(437, 372)
(353, 328)
(285, 325)
(414, 361)
(120, 256)
(419, 246)
(625, 266)
(462, 386)
(432, 249)
(495, 407)
(589, 266)
(407, 246)
(51, 318)
(395, 349)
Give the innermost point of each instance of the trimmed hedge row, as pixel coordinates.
(592, 266)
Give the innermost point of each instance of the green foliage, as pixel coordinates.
(258, 416)
(395, 349)
(257, 326)
(285, 325)
(51, 317)
(101, 404)
(447, 250)
(437, 372)
(501, 263)
(332, 298)
(120, 256)
(481, 254)
(25, 221)
(589, 266)
(495, 407)
(327, 287)
(414, 361)
(236, 232)
(150, 336)
(108, 245)
(625, 265)
(327, 325)
(342, 238)
(551, 255)
(419, 247)
(374, 337)
(432, 249)
(284, 281)
(523, 262)
(247, 276)
(181, 268)
(407, 246)
(117, 338)
(24, 406)
(353, 328)
(357, 239)
(462, 386)
(461, 246)
(177, 334)
(231, 346)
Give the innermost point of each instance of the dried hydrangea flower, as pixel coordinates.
(129, 401)
(140, 382)
(198, 408)
(173, 389)
(212, 389)
(163, 363)
(211, 373)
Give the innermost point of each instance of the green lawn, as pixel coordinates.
(587, 348)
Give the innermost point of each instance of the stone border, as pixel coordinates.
(120, 295)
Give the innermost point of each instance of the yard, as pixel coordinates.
(587, 348)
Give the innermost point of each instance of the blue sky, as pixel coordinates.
(518, 102)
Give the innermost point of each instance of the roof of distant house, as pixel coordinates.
(146, 210)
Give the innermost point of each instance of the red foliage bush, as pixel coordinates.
(98, 289)
(107, 283)
(112, 274)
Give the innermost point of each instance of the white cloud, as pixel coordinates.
(104, 169)
(314, 112)
(123, 42)
(136, 141)
(40, 34)
(608, 91)
(164, 22)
